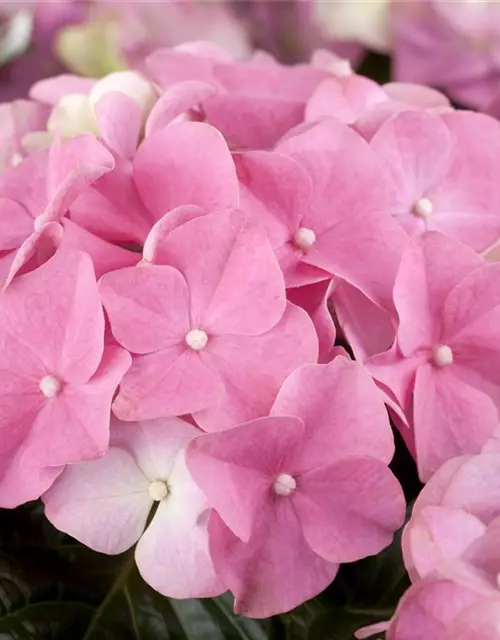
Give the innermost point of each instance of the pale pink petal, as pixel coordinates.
(102, 503)
(481, 619)
(451, 418)
(185, 163)
(152, 249)
(120, 122)
(172, 555)
(236, 469)
(16, 224)
(326, 398)
(51, 90)
(275, 571)
(436, 535)
(250, 388)
(138, 301)
(350, 509)
(154, 443)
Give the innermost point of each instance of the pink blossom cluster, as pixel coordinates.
(180, 251)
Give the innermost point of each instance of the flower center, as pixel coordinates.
(304, 239)
(196, 339)
(50, 386)
(423, 208)
(284, 484)
(442, 355)
(158, 490)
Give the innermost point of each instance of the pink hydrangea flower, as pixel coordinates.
(363, 104)
(322, 198)
(106, 504)
(57, 379)
(443, 174)
(36, 196)
(16, 120)
(296, 494)
(445, 610)
(454, 521)
(203, 354)
(257, 101)
(442, 372)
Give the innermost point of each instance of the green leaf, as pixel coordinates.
(52, 588)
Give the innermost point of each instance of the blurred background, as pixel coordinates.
(452, 45)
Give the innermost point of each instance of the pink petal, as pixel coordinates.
(276, 190)
(436, 535)
(326, 398)
(368, 328)
(174, 381)
(113, 209)
(152, 250)
(120, 123)
(138, 302)
(74, 425)
(236, 469)
(182, 100)
(226, 260)
(469, 194)
(349, 509)
(51, 90)
(482, 619)
(451, 418)
(250, 389)
(275, 571)
(415, 149)
(198, 164)
(172, 555)
(313, 298)
(253, 122)
(427, 609)
(103, 503)
(19, 485)
(426, 276)
(348, 215)
(68, 176)
(64, 324)
(16, 224)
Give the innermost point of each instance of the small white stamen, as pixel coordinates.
(442, 355)
(16, 159)
(423, 208)
(158, 490)
(196, 339)
(304, 238)
(284, 484)
(50, 386)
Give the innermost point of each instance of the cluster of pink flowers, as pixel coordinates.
(179, 251)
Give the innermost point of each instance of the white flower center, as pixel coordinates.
(284, 484)
(158, 490)
(423, 208)
(304, 238)
(50, 386)
(442, 355)
(196, 339)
